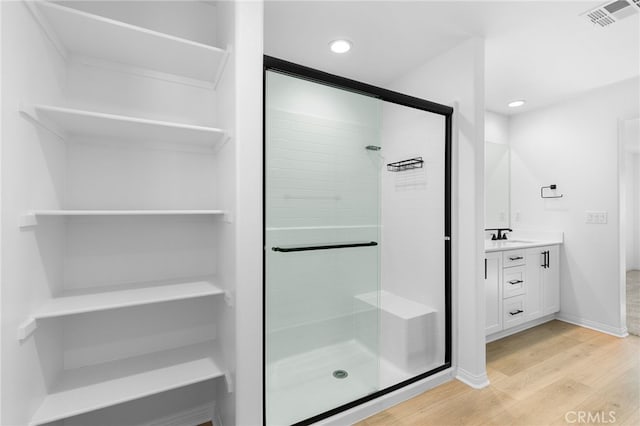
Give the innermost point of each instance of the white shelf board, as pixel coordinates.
(123, 212)
(122, 297)
(31, 217)
(91, 388)
(75, 122)
(85, 34)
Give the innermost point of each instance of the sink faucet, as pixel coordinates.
(501, 233)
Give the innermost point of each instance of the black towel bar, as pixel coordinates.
(323, 247)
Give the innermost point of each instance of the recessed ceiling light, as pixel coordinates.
(340, 46)
(516, 104)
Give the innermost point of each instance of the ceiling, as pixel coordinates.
(543, 52)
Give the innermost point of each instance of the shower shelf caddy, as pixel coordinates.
(412, 163)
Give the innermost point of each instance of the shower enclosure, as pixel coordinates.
(357, 299)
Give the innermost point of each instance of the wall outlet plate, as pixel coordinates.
(596, 217)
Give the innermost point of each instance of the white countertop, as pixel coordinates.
(524, 239)
(490, 245)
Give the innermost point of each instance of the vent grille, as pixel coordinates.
(610, 13)
(601, 18)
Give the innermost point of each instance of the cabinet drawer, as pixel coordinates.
(513, 258)
(513, 283)
(513, 312)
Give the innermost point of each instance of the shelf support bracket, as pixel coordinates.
(227, 216)
(229, 382)
(30, 116)
(228, 298)
(221, 67)
(26, 329)
(225, 140)
(28, 220)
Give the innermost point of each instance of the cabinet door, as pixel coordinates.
(551, 281)
(533, 289)
(493, 292)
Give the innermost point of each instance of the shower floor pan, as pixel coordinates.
(303, 385)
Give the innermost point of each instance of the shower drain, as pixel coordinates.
(340, 374)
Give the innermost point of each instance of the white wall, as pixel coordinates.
(574, 144)
(457, 77)
(225, 168)
(37, 162)
(496, 128)
(248, 210)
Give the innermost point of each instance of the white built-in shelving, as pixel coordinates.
(86, 389)
(75, 32)
(72, 302)
(180, 65)
(30, 218)
(66, 122)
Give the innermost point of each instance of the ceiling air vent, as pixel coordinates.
(612, 12)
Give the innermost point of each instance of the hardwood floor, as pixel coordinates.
(553, 374)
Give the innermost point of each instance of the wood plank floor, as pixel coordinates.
(546, 375)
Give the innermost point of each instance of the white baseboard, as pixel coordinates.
(377, 405)
(191, 417)
(519, 328)
(593, 325)
(476, 381)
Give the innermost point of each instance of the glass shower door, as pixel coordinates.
(322, 261)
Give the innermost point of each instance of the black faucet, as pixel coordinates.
(500, 235)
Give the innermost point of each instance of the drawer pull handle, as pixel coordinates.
(519, 311)
(516, 258)
(514, 282)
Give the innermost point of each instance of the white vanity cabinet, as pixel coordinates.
(493, 292)
(522, 284)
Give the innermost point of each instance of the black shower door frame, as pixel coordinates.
(310, 74)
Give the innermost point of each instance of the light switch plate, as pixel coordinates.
(596, 217)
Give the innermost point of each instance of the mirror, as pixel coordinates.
(497, 187)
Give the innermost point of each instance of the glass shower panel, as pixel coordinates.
(412, 296)
(322, 258)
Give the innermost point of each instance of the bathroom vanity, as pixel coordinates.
(522, 284)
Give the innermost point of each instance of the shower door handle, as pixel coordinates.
(323, 247)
